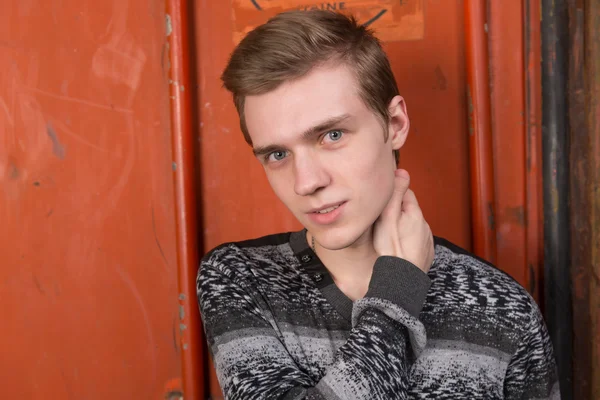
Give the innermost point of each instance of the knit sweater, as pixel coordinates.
(279, 328)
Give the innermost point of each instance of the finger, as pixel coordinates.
(401, 183)
(410, 204)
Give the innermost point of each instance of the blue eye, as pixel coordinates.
(277, 155)
(334, 136)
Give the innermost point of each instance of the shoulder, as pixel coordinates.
(237, 259)
(466, 281)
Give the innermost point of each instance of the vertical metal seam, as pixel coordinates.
(533, 186)
(180, 88)
(480, 141)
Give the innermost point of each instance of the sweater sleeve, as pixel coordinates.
(252, 362)
(531, 372)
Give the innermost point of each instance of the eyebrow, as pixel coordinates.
(306, 135)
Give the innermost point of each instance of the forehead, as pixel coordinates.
(284, 113)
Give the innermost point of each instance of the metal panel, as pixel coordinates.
(88, 280)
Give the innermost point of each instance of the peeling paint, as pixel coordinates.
(182, 327)
(181, 312)
(182, 296)
(168, 24)
(174, 395)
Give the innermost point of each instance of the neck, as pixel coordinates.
(351, 267)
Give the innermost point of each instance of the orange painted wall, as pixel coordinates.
(88, 276)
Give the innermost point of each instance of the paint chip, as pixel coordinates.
(169, 25)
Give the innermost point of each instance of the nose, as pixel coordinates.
(309, 175)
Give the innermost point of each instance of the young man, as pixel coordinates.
(360, 304)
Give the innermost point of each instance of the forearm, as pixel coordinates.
(372, 363)
(252, 362)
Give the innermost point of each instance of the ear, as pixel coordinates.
(399, 124)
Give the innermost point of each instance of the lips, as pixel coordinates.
(326, 208)
(327, 214)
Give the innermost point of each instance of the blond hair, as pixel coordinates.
(292, 43)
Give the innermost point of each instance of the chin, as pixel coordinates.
(339, 238)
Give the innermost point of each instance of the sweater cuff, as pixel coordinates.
(401, 282)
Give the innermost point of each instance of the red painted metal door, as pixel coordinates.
(89, 269)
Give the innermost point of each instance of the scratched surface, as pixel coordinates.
(88, 276)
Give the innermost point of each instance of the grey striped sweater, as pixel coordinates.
(279, 328)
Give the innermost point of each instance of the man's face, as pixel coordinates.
(323, 148)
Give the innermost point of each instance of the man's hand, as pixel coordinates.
(401, 231)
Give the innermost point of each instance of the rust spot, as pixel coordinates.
(532, 281)
(38, 285)
(516, 214)
(491, 217)
(13, 171)
(57, 148)
(441, 78)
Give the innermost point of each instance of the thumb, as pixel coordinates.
(401, 183)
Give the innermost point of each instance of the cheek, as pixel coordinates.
(375, 176)
(282, 187)
(373, 165)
